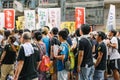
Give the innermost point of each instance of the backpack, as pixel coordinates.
(118, 45)
(70, 62)
(45, 64)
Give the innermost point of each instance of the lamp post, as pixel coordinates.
(62, 5)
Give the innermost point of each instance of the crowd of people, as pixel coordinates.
(96, 54)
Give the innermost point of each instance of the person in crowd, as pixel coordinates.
(114, 54)
(85, 65)
(28, 59)
(101, 53)
(42, 48)
(46, 40)
(68, 38)
(74, 48)
(118, 34)
(6, 35)
(62, 56)
(54, 41)
(8, 58)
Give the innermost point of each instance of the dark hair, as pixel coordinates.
(20, 32)
(77, 32)
(26, 30)
(101, 34)
(114, 32)
(38, 35)
(66, 29)
(54, 30)
(7, 33)
(85, 28)
(12, 38)
(63, 34)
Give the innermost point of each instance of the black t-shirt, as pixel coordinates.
(10, 56)
(29, 70)
(101, 48)
(55, 41)
(86, 46)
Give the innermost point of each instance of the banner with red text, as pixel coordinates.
(9, 18)
(79, 16)
(55, 17)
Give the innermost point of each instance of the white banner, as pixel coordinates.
(29, 19)
(55, 17)
(2, 21)
(111, 23)
(42, 17)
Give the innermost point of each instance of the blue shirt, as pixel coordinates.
(65, 51)
(46, 40)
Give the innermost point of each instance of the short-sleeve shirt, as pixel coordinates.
(46, 40)
(101, 48)
(54, 41)
(114, 54)
(64, 51)
(86, 46)
(29, 70)
(10, 56)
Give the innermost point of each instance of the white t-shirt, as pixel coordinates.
(114, 54)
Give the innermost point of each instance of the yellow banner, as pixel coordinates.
(20, 23)
(69, 25)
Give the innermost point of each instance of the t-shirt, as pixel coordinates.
(55, 41)
(101, 48)
(86, 46)
(10, 56)
(29, 70)
(46, 40)
(64, 51)
(114, 54)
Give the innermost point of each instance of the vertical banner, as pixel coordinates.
(111, 22)
(79, 16)
(42, 17)
(29, 19)
(55, 17)
(2, 18)
(9, 18)
(69, 25)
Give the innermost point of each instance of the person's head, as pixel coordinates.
(11, 39)
(20, 32)
(7, 33)
(37, 35)
(45, 31)
(112, 33)
(85, 29)
(100, 36)
(66, 29)
(77, 32)
(54, 31)
(26, 36)
(26, 30)
(62, 35)
(47, 27)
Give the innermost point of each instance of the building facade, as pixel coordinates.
(96, 10)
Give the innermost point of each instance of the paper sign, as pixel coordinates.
(29, 19)
(9, 18)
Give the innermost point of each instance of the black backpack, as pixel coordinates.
(118, 45)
